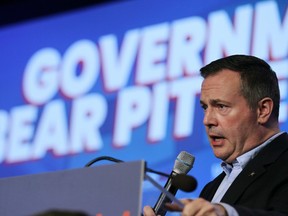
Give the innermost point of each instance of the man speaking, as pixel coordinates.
(240, 99)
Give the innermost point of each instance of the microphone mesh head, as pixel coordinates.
(183, 163)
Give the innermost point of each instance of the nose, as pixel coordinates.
(209, 119)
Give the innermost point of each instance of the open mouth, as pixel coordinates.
(216, 138)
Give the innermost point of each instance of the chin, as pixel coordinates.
(221, 156)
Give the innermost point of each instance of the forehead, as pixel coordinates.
(225, 83)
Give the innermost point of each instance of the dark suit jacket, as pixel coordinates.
(262, 187)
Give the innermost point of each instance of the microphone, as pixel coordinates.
(184, 182)
(183, 164)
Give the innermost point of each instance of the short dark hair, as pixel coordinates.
(258, 80)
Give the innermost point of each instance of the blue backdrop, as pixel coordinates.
(123, 80)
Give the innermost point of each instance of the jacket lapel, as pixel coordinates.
(239, 185)
(210, 189)
(255, 168)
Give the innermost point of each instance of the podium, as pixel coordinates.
(106, 190)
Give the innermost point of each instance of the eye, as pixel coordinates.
(222, 107)
(204, 107)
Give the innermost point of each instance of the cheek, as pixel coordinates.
(237, 124)
(237, 134)
(244, 126)
(233, 135)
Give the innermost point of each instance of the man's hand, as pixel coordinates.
(197, 207)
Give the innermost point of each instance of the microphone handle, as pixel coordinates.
(159, 207)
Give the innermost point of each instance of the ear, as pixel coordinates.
(265, 107)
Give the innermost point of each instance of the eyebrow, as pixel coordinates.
(214, 101)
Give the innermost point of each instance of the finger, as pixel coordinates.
(173, 207)
(206, 209)
(199, 207)
(148, 211)
(176, 207)
(186, 201)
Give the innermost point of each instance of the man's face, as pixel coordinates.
(229, 121)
